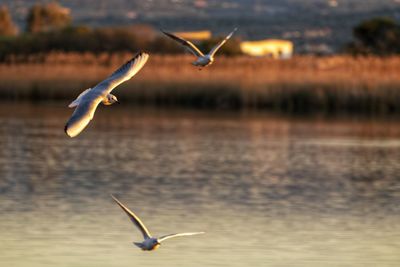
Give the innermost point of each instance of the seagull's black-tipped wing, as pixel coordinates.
(134, 218)
(218, 46)
(82, 115)
(189, 45)
(165, 237)
(124, 73)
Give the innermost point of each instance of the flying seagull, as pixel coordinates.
(149, 243)
(87, 102)
(202, 60)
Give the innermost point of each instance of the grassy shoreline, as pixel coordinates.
(335, 84)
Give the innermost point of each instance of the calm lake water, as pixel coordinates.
(268, 190)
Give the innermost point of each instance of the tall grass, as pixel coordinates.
(301, 84)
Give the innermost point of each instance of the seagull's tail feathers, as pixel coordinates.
(78, 99)
(139, 245)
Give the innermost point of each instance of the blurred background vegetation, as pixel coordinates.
(49, 29)
(363, 79)
(7, 26)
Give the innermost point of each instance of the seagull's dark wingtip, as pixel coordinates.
(66, 130)
(166, 33)
(141, 54)
(138, 54)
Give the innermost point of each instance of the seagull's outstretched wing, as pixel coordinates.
(82, 115)
(218, 46)
(165, 237)
(124, 73)
(135, 219)
(90, 99)
(189, 45)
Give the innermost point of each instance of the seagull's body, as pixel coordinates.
(149, 243)
(87, 102)
(203, 60)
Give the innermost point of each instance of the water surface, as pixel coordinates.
(268, 190)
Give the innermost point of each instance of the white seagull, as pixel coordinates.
(87, 102)
(149, 243)
(202, 60)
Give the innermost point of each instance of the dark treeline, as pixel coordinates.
(84, 39)
(98, 40)
(376, 36)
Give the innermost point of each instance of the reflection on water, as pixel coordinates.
(268, 191)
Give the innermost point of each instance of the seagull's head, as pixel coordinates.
(111, 99)
(155, 244)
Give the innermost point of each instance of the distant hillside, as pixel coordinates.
(306, 22)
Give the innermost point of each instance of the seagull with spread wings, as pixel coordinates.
(87, 102)
(149, 243)
(202, 60)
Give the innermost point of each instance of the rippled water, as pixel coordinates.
(268, 191)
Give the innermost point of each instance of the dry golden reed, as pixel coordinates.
(304, 83)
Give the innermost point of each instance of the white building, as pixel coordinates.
(280, 49)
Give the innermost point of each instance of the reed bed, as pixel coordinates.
(301, 84)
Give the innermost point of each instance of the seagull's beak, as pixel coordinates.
(117, 102)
